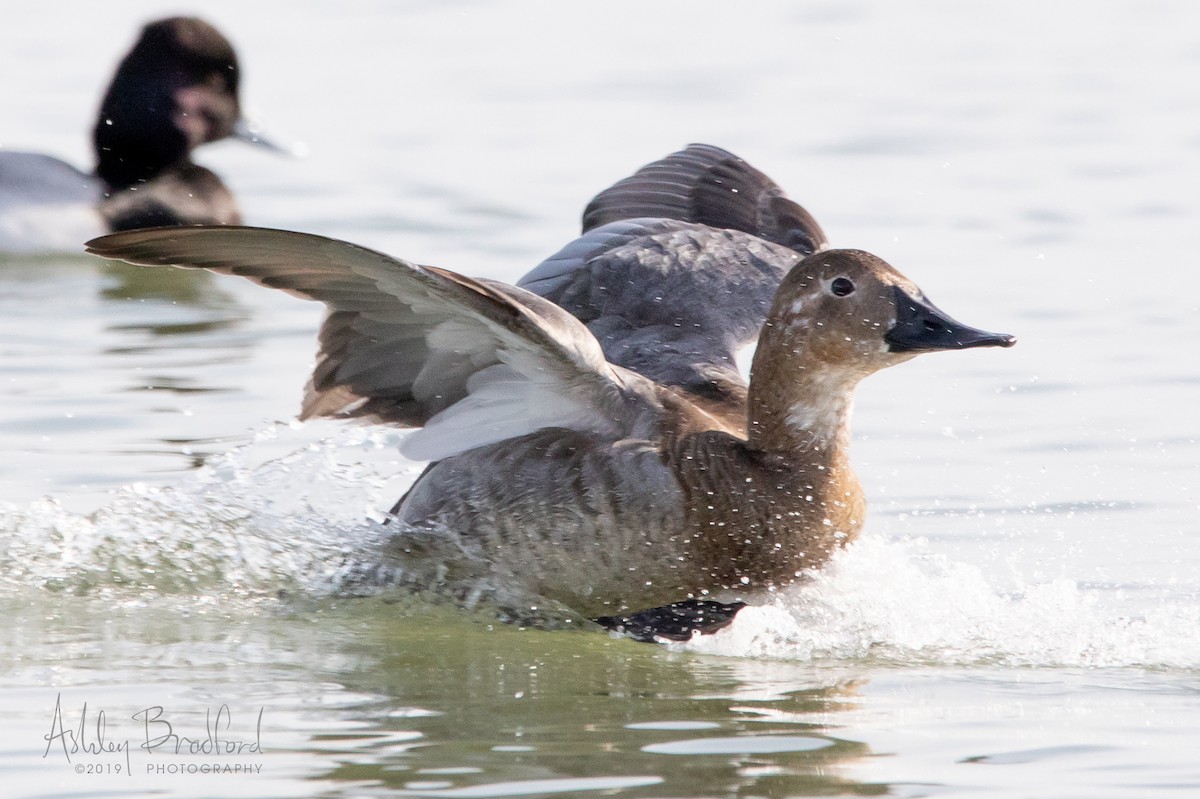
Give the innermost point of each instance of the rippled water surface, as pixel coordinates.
(1020, 617)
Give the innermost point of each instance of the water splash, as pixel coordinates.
(893, 601)
(242, 525)
(252, 525)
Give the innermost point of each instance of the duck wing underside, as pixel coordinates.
(670, 300)
(470, 362)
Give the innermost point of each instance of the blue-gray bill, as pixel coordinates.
(251, 132)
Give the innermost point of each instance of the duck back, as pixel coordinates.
(46, 204)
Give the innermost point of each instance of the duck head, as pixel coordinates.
(838, 316)
(174, 91)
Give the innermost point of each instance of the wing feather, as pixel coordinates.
(706, 184)
(673, 301)
(473, 361)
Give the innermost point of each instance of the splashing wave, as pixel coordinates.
(308, 524)
(893, 601)
(240, 525)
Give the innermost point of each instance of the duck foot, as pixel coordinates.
(676, 622)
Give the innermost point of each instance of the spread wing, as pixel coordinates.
(712, 186)
(670, 300)
(473, 362)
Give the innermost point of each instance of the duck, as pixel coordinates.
(676, 268)
(568, 477)
(175, 90)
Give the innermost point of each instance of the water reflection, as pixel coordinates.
(531, 705)
(176, 313)
(178, 286)
(137, 363)
(420, 699)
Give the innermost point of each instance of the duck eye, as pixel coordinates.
(841, 286)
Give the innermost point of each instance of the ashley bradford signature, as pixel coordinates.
(158, 735)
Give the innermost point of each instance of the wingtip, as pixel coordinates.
(121, 245)
(101, 245)
(111, 242)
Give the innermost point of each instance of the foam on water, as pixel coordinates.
(307, 523)
(239, 526)
(895, 601)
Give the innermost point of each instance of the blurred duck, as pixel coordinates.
(564, 474)
(174, 91)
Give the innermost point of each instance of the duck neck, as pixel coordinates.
(783, 499)
(126, 156)
(137, 135)
(803, 414)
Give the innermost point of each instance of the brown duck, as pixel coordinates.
(568, 476)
